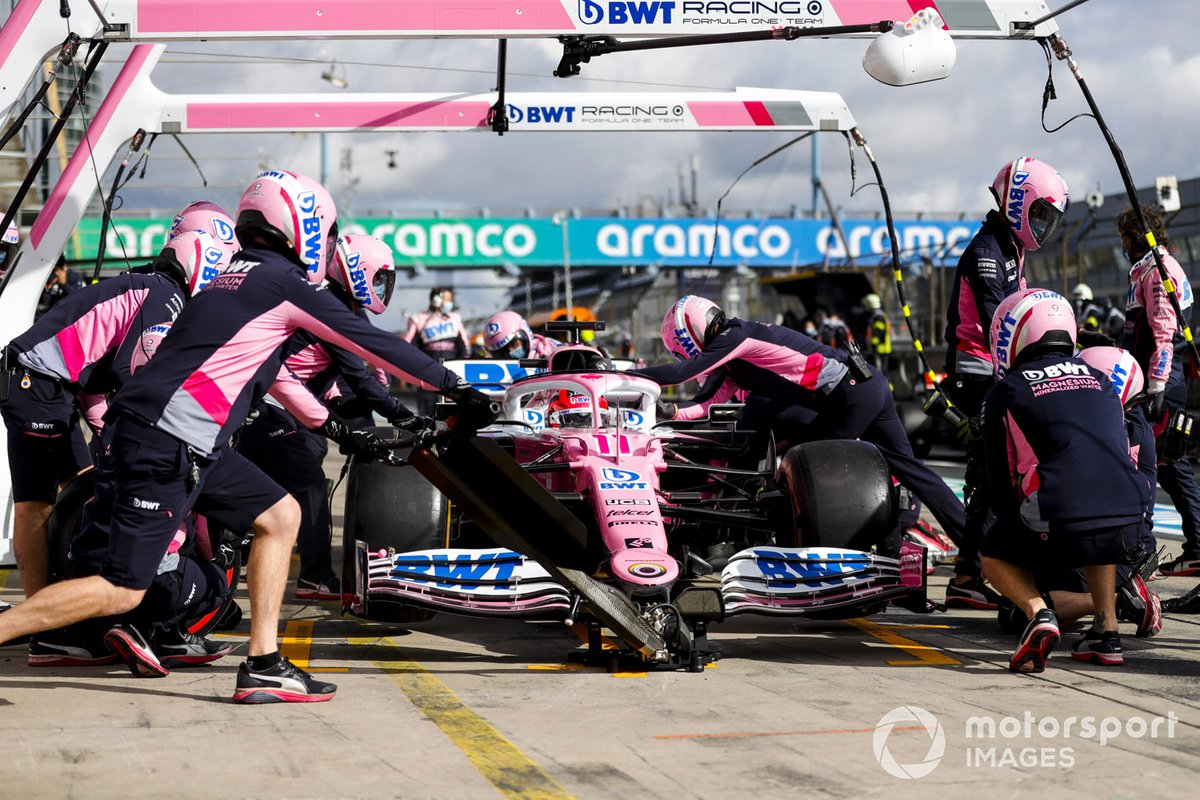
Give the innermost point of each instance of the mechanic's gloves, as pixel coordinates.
(1155, 404)
(966, 431)
(413, 424)
(665, 410)
(475, 409)
(350, 442)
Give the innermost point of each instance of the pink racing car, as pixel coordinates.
(678, 524)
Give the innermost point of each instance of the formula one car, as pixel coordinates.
(601, 511)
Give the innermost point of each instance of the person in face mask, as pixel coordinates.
(507, 335)
(439, 333)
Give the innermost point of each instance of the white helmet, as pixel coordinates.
(1082, 293)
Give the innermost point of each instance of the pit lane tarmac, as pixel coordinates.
(899, 705)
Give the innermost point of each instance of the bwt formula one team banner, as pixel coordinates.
(599, 241)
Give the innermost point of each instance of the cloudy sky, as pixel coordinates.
(939, 144)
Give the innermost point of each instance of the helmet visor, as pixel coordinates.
(1043, 220)
(383, 284)
(571, 419)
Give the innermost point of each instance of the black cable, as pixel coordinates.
(107, 204)
(1063, 53)
(94, 58)
(1049, 94)
(717, 223)
(66, 54)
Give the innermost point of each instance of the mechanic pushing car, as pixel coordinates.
(83, 346)
(1154, 335)
(1032, 198)
(798, 384)
(1063, 487)
(165, 448)
(506, 334)
(290, 447)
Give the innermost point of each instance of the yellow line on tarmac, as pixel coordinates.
(514, 774)
(296, 642)
(924, 654)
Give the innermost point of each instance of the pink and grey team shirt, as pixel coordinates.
(312, 367)
(1152, 332)
(1054, 425)
(90, 338)
(989, 270)
(226, 348)
(765, 360)
(437, 334)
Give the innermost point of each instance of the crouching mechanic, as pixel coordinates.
(72, 347)
(1060, 478)
(290, 445)
(1065, 590)
(508, 335)
(165, 449)
(791, 377)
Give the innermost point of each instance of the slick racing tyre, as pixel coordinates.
(842, 495)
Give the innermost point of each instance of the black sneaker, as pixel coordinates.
(1099, 648)
(135, 651)
(1039, 638)
(972, 594)
(328, 589)
(282, 683)
(67, 648)
(1181, 567)
(18, 640)
(188, 650)
(1139, 604)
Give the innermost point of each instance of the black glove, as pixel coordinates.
(413, 424)
(1155, 404)
(665, 409)
(350, 442)
(475, 409)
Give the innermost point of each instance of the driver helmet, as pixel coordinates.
(690, 324)
(293, 212)
(1030, 322)
(205, 216)
(1032, 197)
(507, 334)
(200, 255)
(572, 410)
(12, 235)
(362, 265)
(1121, 368)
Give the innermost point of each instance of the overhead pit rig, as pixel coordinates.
(586, 29)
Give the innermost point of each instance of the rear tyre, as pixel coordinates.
(842, 496)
